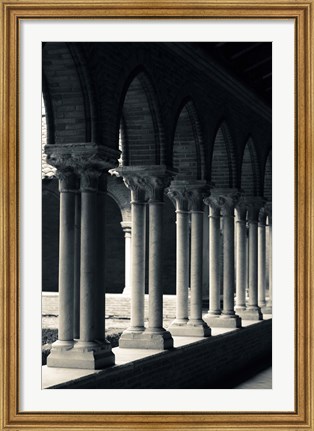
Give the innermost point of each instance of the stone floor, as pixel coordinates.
(262, 380)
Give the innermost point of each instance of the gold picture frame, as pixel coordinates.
(12, 12)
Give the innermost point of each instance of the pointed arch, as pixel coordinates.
(141, 131)
(223, 161)
(268, 177)
(188, 150)
(250, 170)
(65, 94)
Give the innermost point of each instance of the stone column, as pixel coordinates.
(65, 342)
(101, 255)
(156, 336)
(132, 337)
(241, 259)
(268, 308)
(196, 324)
(142, 181)
(228, 318)
(177, 193)
(262, 259)
(222, 201)
(253, 311)
(205, 294)
(77, 264)
(92, 350)
(127, 229)
(214, 277)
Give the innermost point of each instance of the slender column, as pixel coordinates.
(268, 308)
(222, 201)
(214, 240)
(91, 351)
(101, 256)
(158, 337)
(67, 186)
(138, 205)
(253, 311)
(228, 314)
(77, 264)
(205, 289)
(127, 229)
(196, 321)
(89, 184)
(241, 277)
(177, 194)
(261, 259)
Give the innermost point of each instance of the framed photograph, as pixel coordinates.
(156, 215)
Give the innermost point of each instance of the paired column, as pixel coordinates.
(146, 181)
(189, 196)
(224, 201)
(253, 311)
(81, 170)
(91, 350)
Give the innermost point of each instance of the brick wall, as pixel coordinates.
(214, 362)
(153, 79)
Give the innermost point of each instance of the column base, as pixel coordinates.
(251, 314)
(199, 328)
(267, 309)
(187, 329)
(233, 321)
(84, 355)
(146, 340)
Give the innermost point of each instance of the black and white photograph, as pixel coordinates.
(157, 215)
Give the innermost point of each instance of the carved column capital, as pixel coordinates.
(228, 204)
(177, 193)
(254, 206)
(137, 186)
(67, 180)
(214, 207)
(141, 180)
(89, 179)
(78, 156)
(196, 193)
(224, 199)
(155, 187)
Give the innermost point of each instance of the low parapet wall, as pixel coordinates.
(220, 361)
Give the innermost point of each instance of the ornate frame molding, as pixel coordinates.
(12, 12)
